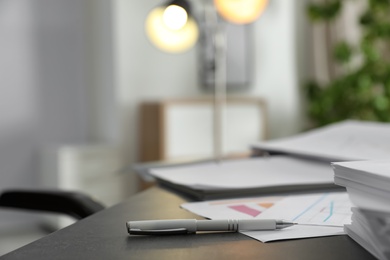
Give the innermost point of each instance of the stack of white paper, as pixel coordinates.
(368, 185)
(371, 230)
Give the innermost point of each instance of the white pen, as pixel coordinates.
(188, 226)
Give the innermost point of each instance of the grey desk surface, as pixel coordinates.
(104, 236)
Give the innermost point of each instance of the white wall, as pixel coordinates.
(98, 24)
(43, 94)
(278, 43)
(143, 72)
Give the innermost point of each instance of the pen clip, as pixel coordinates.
(173, 231)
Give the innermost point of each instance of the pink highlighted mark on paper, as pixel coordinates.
(245, 209)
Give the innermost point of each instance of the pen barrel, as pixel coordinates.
(236, 225)
(257, 224)
(217, 225)
(152, 225)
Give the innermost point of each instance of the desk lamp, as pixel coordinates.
(172, 28)
(240, 11)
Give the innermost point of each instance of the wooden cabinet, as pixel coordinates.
(183, 128)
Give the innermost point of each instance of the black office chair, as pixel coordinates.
(74, 204)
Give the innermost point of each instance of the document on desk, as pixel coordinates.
(317, 214)
(247, 176)
(348, 140)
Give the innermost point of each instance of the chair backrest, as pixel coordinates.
(75, 204)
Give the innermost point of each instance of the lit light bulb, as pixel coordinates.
(240, 11)
(175, 17)
(167, 39)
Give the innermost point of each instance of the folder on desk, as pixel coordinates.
(244, 177)
(344, 141)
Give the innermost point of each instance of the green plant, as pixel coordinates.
(363, 89)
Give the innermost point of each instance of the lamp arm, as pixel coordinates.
(220, 89)
(220, 84)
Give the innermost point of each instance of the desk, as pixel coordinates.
(104, 236)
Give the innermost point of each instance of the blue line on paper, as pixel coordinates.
(311, 206)
(331, 211)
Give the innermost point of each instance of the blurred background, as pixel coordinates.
(80, 78)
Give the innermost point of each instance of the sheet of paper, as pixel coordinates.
(320, 214)
(248, 173)
(348, 140)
